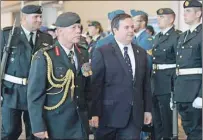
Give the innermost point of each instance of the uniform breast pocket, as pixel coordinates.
(60, 72)
(187, 53)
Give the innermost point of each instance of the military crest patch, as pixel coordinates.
(86, 69)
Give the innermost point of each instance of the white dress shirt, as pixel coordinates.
(74, 56)
(130, 53)
(166, 30)
(27, 34)
(193, 27)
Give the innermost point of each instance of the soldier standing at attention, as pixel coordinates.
(164, 72)
(27, 39)
(57, 94)
(188, 84)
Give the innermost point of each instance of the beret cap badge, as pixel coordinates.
(161, 11)
(187, 3)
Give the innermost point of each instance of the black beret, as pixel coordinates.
(67, 19)
(192, 3)
(32, 9)
(164, 11)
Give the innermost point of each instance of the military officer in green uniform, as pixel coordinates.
(59, 84)
(163, 74)
(27, 39)
(188, 84)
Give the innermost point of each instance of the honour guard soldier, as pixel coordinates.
(26, 40)
(142, 38)
(109, 37)
(163, 72)
(188, 84)
(59, 84)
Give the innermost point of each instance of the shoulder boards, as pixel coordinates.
(178, 31)
(149, 38)
(149, 52)
(7, 28)
(47, 47)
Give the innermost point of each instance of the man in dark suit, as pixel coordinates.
(163, 74)
(59, 84)
(188, 84)
(121, 95)
(27, 39)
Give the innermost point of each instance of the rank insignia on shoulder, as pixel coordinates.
(45, 44)
(86, 69)
(149, 52)
(57, 52)
(149, 39)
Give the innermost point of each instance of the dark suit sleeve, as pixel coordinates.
(147, 88)
(36, 93)
(97, 82)
(2, 44)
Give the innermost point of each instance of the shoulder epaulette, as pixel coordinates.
(149, 38)
(48, 47)
(178, 31)
(7, 28)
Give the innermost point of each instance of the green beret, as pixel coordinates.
(67, 19)
(164, 11)
(94, 23)
(32, 9)
(192, 3)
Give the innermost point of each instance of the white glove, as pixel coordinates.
(197, 103)
(171, 104)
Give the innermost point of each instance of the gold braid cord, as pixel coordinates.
(66, 80)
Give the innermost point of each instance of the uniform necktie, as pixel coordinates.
(31, 41)
(70, 56)
(127, 60)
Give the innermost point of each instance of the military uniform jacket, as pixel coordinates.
(145, 41)
(70, 119)
(18, 64)
(164, 53)
(189, 55)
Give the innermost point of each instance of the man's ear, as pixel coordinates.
(199, 14)
(114, 30)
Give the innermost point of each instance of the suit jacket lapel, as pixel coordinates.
(80, 58)
(120, 57)
(136, 53)
(194, 33)
(24, 38)
(65, 60)
(38, 40)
